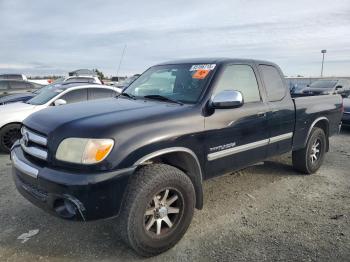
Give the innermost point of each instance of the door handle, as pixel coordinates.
(261, 114)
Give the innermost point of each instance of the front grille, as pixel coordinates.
(34, 144)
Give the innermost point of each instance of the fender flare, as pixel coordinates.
(313, 125)
(196, 178)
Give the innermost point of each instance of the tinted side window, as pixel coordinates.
(18, 85)
(75, 96)
(273, 82)
(98, 93)
(240, 78)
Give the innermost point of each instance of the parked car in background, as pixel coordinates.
(116, 79)
(329, 87)
(16, 86)
(144, 156)
(78, 79)
(21, 97)
(13, 77)
(346, 114)
(82, 72)
(296, 89)
(13, 114)
(126, 82)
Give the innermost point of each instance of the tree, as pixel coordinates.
(100, 75)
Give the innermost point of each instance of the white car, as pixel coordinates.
(13, 114)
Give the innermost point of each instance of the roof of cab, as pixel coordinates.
(216, 60)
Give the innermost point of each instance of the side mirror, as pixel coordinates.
(60, 102)
(338, 87)
(227, 99)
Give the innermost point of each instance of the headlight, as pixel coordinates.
(84, 150)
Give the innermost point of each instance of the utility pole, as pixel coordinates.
(323, 51)
(121, 59)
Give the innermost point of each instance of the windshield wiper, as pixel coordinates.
(163, 98)
(128, 95)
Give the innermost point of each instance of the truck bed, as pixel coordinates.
(308, 109)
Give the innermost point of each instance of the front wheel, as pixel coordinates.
(8, 136)
(157, 209)
(309, 159)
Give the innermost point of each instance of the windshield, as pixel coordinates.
(324, 84)
(50, 86)
(45, 95)
(183, 82)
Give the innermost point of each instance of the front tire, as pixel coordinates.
(309, 159)
(157, 209)
(9, 134)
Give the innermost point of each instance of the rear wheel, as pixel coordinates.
(157, 209)
(8, 136)
(309, 159)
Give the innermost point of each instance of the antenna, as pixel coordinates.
(121, 59)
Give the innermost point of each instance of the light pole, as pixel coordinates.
(323, 51)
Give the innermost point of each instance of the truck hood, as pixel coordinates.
(99, 116)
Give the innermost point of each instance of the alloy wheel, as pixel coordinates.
(315, 151)
(163, 212)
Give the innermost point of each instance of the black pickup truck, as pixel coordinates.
(142, 157)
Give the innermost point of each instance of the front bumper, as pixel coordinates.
(69, 195)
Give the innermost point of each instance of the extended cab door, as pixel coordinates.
(236, 137)
(281, 113)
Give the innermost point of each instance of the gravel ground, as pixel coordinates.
(266, 212)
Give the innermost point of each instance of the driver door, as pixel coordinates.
(236, 137)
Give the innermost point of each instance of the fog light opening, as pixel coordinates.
(65, 208)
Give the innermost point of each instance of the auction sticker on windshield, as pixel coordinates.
(203, 67)
(200, 74)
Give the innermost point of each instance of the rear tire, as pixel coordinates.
(9, 134)
(157, 209)
(309, 159)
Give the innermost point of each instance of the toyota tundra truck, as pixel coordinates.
(142, 157)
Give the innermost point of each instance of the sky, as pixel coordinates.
(41, 37)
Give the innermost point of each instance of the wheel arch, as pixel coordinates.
(4, 147)
(11, 123)
(185, 160)
(323, 123)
